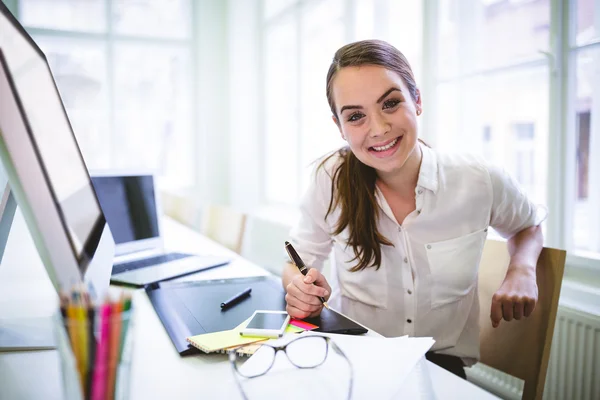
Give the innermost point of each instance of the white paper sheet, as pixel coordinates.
(380, 366)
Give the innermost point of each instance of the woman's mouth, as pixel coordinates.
(387, 149)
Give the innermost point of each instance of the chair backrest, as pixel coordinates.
(520, 348)
(224, 225)
(264, 242)
(181, 208)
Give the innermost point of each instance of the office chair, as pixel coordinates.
(520, 348)
(224, 225)
(181, 208)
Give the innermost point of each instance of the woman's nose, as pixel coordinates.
(379, 126)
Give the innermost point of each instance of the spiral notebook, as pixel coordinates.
(221, 341)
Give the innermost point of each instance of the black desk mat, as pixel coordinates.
(192, 308)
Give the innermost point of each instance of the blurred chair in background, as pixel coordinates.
(520, 348)
(182, 208)
(224, 225)
(263, 243)
(219, 223)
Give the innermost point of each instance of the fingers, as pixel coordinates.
(296, 312)
(304, 292)
(507, 309)
(300, 307)
(312, 276)
(528, 307)
(298, 294)
(299, 314)
(301, 310)
(300, 287)
(518, 309)
(316, 277)
(496, 311)
(303, 299)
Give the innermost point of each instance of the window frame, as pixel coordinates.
(563, 24)
(111, 40)
(562, 139)
(562, 136)
(293, 11)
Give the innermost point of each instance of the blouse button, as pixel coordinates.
(420, 191)
(409, 291)
(409, 320)
(405, 259)
(429, 246)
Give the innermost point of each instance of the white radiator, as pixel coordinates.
(573, 369)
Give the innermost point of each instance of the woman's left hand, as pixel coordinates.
(517, 296)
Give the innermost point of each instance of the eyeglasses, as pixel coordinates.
(303, 352)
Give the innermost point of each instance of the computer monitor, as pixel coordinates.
(45, 168)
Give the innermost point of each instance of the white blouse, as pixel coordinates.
(427, 282)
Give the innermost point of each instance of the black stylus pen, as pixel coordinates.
(300, 264)
(236, 299)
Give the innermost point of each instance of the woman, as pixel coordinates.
(406, 223)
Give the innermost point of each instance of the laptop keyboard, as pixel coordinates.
(147, 262)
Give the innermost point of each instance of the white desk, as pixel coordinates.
(157, 371)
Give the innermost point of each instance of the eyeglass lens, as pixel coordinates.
(305, 352)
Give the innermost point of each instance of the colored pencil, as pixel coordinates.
(100, 367)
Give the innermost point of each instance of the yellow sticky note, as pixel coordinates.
(216, 341)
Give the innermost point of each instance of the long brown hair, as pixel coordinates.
(353, 188)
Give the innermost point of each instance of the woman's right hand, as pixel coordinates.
(303, 297)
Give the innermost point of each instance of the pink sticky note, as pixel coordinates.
(302, 324)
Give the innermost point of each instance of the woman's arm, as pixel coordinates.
(518, 294)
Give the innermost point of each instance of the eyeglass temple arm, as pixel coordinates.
(338, 350)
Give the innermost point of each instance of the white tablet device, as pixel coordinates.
(265, 323)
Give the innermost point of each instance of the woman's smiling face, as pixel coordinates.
(376, 115)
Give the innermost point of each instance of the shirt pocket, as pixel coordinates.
(453, 265)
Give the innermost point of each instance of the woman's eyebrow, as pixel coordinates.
(379, 100)
(390, 90)
(350, 108)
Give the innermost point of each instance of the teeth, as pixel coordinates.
(387, 146)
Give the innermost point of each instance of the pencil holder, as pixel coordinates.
(95, 358)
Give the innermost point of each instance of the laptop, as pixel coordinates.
(130, 205)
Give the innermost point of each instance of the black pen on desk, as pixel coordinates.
(236, 299)
(301, 266)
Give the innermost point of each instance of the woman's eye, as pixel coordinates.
(390, 103)
(355, 117)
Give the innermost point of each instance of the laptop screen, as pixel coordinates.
(129, 206)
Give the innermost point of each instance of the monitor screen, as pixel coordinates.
(53, 139)
(129, 206)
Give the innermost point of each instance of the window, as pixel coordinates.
(497, 95)
(123, 69)
(475, 51)
(524, 167)
(584, 129)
